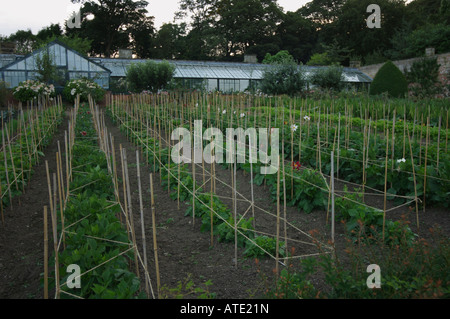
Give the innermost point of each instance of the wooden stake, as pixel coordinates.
(55, 240)
(277, 252)
(141, 207)
(45, 253)
(415, 184)
(438, 144)
(385, 180)
(61, 203)
(427, 139)
(155, 245)
(235, 214)
(332, 197)
(6, 172)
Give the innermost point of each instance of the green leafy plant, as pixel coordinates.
(31, 89)
(389, 79)
(84, 87)
(263, 244)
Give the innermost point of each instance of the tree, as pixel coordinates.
(423, 78)
(283, 77)
(432, 35)
(201, 41)
(322, 12)
(142, 34)
(116, 24)
(227, 29)
(245, 23)
(25, 41)
(46, 67)
(170, 41)
(149, 76)
(350, 28)
(52, 31)
(281, 57)
(297, 35)
(389, 79)
(423, 12)
(319, 59)
(328, 78)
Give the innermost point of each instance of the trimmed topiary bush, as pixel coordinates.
(391, 80)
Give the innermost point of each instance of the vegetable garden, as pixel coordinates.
(352, 166)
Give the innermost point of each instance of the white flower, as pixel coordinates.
(306, 118)
(224, 111)
(401, 160)
(73, 91)
(294, 127)
(242, 115)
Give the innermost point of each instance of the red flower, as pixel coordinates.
(88, 112)
(296, 165)
(83, 133)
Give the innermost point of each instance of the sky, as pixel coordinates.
(36, 14)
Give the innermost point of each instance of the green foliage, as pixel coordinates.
(149, 76)
(279, 58)
(226, 232)
(408, 271)
(319, 59)
(92, 216)
(263, 244)
(46, 67)
(429, 36)
(32, 89)
(283, 78)
(3, 93)
(84, 87)
(116, 25)
(389, 79)
(424, 77)
(187, 288)
(328, 78)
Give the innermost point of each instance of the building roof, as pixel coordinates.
(218, 70)
(63, 55)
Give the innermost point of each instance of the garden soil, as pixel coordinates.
(186, 258)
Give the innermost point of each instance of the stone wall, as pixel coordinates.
(442, 59)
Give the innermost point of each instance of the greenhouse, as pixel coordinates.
(111, 73)
(222, 76)
(70, 65)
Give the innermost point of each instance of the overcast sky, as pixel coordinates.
(36, 14)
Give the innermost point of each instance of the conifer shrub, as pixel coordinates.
(389, 79)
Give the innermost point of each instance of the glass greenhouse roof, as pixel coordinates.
(218, 70)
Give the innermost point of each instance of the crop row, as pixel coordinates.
(415, 169)
(215, 216)
(21, 152)
(304, 188)
(94, 238)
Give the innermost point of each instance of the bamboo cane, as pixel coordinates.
(427, 139)
(385, 180)
(141, 207)
(416, 199)
(438, 144)
(130, 211)
(155, 245)
(277, 252)
(61, 203)
(235, 215)
(55, 238)
(124, 192)
(45, 253)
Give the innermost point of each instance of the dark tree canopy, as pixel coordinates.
(116, 24)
